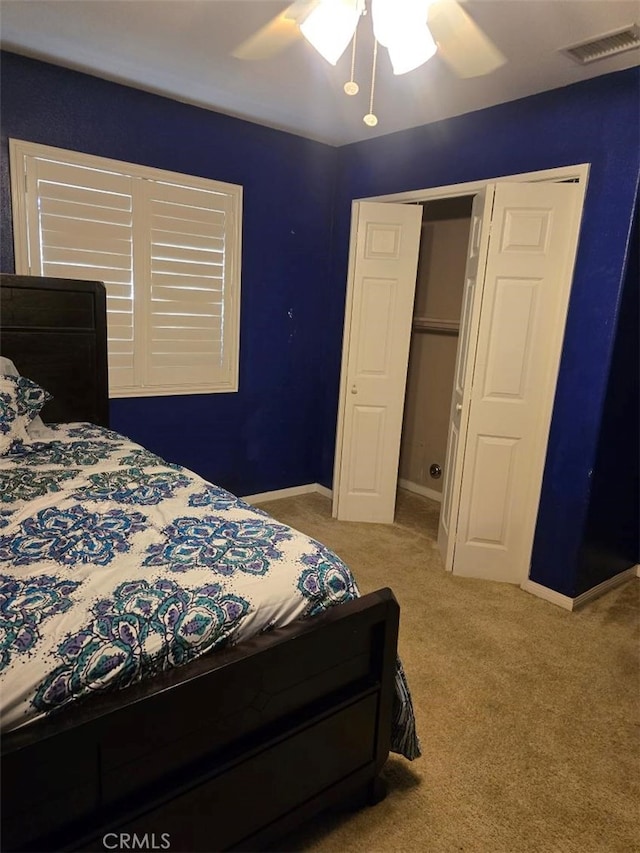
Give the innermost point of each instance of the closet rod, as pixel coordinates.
(430, 324)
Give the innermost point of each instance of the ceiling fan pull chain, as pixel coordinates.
(370, 118)
(352, 88)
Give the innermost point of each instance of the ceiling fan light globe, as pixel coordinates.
(393, 19)
(416, 48)
(330, 27)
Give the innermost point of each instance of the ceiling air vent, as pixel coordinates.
(605, 45)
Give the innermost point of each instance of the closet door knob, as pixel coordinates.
(354, 390)
(458, 407)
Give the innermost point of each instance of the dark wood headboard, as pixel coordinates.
(55, 332)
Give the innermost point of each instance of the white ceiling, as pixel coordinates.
(182, 48)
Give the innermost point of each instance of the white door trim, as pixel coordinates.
(346, 340)
(578, 173)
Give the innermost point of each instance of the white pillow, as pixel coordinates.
(8, 368)
(20, 401)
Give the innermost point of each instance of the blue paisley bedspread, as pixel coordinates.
(115, 565)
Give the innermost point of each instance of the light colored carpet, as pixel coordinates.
(528, 714)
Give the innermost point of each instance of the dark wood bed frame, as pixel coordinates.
(228, 752)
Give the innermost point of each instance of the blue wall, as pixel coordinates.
(279, 430)
(594, 122)
(267, 435)
(611, 540)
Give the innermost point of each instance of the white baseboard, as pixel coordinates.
(637, 570)
(310, 488)
(425, 491)
(323, 490)
(548, 594)
(291, 492)
(568, 603)
(603, 587)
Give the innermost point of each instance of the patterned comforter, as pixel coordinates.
(115, 565)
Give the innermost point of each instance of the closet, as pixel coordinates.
(434, 342)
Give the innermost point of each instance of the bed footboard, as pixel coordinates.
(226, 753)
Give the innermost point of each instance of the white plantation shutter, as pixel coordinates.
(82, 227)
(189, 296)
(167, 248)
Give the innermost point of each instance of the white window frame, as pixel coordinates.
(20, 151)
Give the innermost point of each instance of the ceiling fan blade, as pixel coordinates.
(276, 35)
(461, 42)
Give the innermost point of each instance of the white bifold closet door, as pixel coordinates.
(521, 251)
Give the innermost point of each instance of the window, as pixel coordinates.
(166, 246)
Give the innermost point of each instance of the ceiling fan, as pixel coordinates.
(411, 30)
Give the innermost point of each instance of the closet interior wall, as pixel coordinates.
(434, 343)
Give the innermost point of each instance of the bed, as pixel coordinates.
(173, 712)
